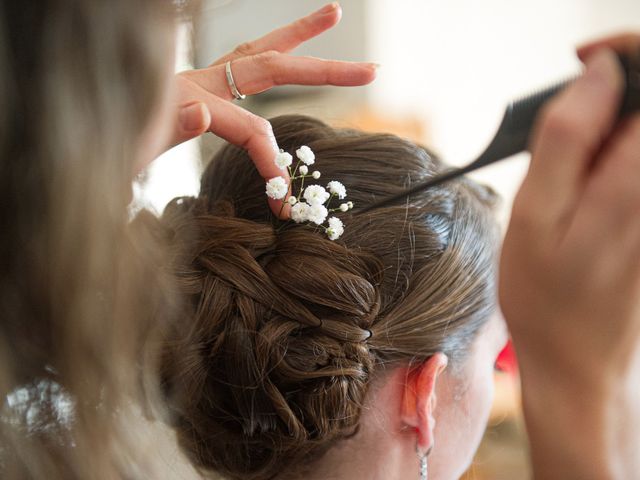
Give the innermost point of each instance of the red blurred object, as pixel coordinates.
(506, 361)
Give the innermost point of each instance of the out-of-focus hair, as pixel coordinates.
(283, 330)
(80, 80)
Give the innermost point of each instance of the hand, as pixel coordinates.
(205, 99)
(570, 279)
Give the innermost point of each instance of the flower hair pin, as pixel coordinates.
(313, 203)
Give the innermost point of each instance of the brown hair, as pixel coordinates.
(80, 80)
(283, 330)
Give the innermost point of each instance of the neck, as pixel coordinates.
(383, 448)
(364, 459)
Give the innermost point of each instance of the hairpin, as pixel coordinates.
(312, 204)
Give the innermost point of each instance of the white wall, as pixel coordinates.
(456, 63)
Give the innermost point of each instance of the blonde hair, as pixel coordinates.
(80, 80)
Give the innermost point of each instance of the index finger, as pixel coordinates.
(620, 43)
(254, 134)
(246, 130)
(285, 39)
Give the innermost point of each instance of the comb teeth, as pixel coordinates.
(521, 113)
(517, 122)
(543, 94)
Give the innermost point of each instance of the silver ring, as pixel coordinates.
(232, 84)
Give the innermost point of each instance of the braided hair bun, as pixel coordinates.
(282, 329)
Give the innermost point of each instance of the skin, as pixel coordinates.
(436, 406)
(570, 279)
(464, 400)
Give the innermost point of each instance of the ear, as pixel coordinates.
(419, 400)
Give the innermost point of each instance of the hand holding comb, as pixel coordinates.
(513, 133)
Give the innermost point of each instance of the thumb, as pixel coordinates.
(192, 120)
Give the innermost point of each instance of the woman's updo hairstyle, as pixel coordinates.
(283, 330)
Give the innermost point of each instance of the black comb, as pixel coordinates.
(514, 130)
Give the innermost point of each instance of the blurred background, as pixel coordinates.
(447, 70)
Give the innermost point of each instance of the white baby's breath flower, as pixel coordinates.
(283, 160)
(317, 214)
(315, 195)
(300, 212)
(335, 222)
(311, 205)
(277, 188)
(336, 228)
(336, 188)
(306, 155)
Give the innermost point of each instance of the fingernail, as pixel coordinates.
(374, 66)
(192, 117)
(328, 8)
(603, 66)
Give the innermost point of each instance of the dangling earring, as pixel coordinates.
(423, 462)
